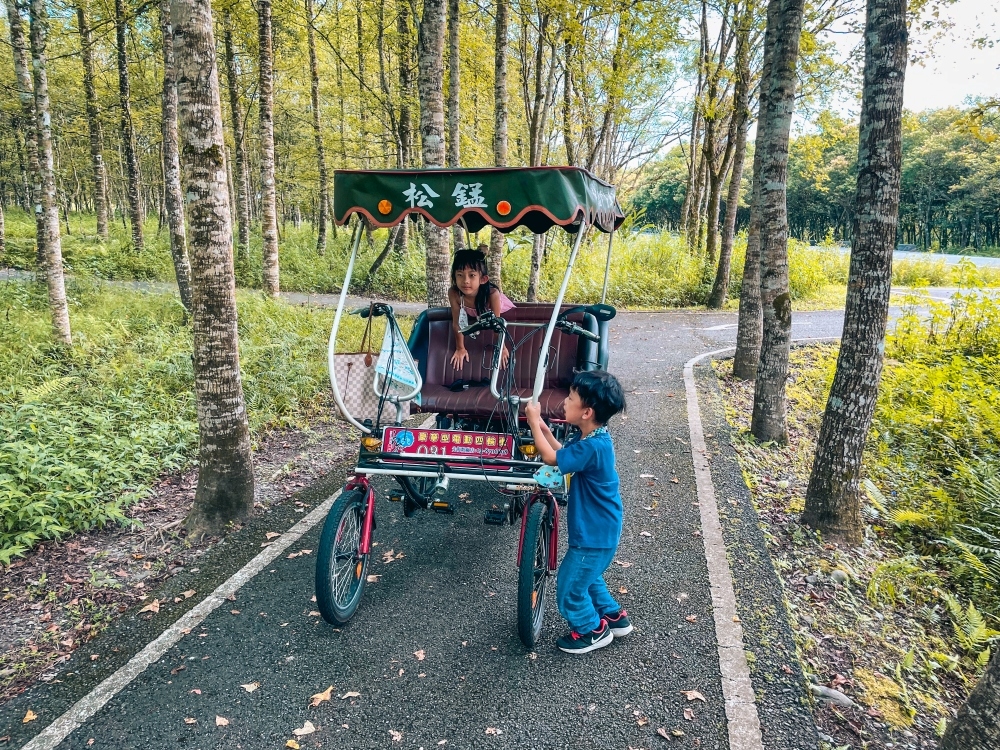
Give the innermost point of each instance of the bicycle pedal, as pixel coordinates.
(395, 497)
(442, 506)
(495, 516)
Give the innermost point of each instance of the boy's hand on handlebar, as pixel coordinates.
(504, 357)
(460, 356)
(533, 413)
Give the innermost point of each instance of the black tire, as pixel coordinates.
(533, 575)
(340, 568)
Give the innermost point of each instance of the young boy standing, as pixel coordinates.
(594, 510)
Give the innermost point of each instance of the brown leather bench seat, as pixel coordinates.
(433, 343)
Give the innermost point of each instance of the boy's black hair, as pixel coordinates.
(476, 260)
(601, 391)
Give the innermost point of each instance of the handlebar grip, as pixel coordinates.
(362, 311)
(588, 334)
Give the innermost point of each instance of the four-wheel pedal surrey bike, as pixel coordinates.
(478, 433)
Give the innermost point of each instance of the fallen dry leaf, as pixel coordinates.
(250, 686)
(352, 694)
(644, 533)
(188, 594)
(306, 728)
(689, 714)
(181, 668)
(30, 716)
(443, 742)
(693, 695)
(293, 745)
(692, 618)
(622, 590)
(493, 731)
(623, 563)
(153, 606)
(313, 613)
(373, 578)
(642, 721)
(196, 691)
(221, 721)
(271, 535)
(677, 732)
(320, 697)
(681, 597)
(234, 611)
(419, 654)
(396, 736)
(189, 720)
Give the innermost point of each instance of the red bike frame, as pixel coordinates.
(361, 482)
(553, 532)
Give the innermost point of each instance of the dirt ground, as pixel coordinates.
(63, 594)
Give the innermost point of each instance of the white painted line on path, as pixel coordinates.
(737, 690)
(91, 703)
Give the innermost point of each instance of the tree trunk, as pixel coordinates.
(454, 133)
(47, 195)
(93, 124)
(495, 261)
(832, 502)
(976, 726)
(173, 198)
(768, 420)
(242, 162)
(430, 83)
(26, 93)
(535, 275)
(406, 98)
(362, 91)
(324, 189)
(225, 468)
(268, 208)
(3, 232)
(738, 133)
(128, 134)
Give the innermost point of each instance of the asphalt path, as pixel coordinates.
(433, 652)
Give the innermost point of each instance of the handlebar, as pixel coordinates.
(486, 321)
(376, 309)
(576, 330)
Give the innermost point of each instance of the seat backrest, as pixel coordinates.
(432, 344)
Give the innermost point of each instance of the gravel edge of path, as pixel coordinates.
(782, 699)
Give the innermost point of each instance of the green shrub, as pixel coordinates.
(84, 431)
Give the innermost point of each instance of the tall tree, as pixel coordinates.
(172, 196)
(784, 17)
(26, 94)
(225, 468)
(454, 133)
(738, 127)
(832, 502)
(131, 156)
(499, 125)
(268, 198)
(407, 103)
(324, 190)
(93, 122)
(47, 195)
(430, 86)
(976, 725)
(242, 162)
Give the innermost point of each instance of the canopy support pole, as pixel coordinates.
(543, 355)
(331, 349)
(607, 265)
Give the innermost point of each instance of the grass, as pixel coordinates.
(84, 431)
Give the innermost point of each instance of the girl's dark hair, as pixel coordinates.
(475, 260)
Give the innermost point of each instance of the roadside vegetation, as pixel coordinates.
(905, 622)
(85, 430)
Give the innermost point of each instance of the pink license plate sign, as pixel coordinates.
(447, 443)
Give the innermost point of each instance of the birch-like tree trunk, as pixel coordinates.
(93, 123)
(172, 196)
(832, 501)
(26, 95)
(976, 727)
(454, 88)
(47, 195)
(132, 173)
(225, 468)
(324, 189)
(268, 196)
(430, 85)
(242, 163)
(407, 103)
(3, 232)
(768, 420)
(497, 242)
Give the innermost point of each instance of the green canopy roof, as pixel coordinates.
(534, 197)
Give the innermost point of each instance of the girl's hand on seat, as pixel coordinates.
(460, 356)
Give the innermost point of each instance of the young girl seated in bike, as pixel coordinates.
(471, 294)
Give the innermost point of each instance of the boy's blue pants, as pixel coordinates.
(581, 593)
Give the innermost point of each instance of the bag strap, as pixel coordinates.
(366, 337)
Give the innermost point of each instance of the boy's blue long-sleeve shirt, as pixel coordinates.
(594, 508)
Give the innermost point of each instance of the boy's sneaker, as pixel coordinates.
(619, 623)
(575, 643)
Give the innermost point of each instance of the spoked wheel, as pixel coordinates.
(340, 566)
(417, 490)
(533, 576)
